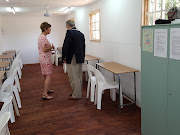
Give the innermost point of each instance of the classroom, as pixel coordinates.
(89, 67)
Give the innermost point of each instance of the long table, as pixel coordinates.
(89, 58)
(118, 69)
(10, 51)
(5, 63)
(7, 56)
(2, 73)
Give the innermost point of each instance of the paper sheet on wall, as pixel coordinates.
(175, 43)
(160, 42)
(148, 40)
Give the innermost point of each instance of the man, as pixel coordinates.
(73, 53)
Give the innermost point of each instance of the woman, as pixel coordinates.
(45, 48)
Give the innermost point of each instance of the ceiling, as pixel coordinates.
(38, 7)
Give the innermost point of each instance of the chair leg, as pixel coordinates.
(12, 113)
(87, 96)
(15, 106)
(95, 95)
(99, 98)
(56, 62)
(64, 67)
(86, 75)
(8, 133)
(92, 90)
(113, 94)
(17, 96)
(18, 84)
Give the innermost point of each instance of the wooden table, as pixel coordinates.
(10, 51)
(5, 63)
(2, 73)
(89, 58)
(6, 56)
(117, 69)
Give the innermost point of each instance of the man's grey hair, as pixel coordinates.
(71, 23)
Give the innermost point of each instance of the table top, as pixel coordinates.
(89, 57)
(4, 63)
(116, 68)
(10, 51)
(6, 56)
(2, 74)
(59, 48)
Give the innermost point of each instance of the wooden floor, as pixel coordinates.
(61, 116)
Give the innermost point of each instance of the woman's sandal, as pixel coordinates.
(44, 97)
(50, 91)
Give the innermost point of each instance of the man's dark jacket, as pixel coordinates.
(74, 44)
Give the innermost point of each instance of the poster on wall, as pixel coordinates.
(175, 43)
(160, 43)
(148, 40)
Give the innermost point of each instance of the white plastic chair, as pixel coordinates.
(16, 87)
(53, 56)
(16, 75)
(4, 123)
(7, 106)
(91, 82)
(16, 63)
(58, 55)
(104, 84)
(18, 57)
(8, 90)
(65, 67)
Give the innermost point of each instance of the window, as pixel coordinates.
(95, 29)
(157, 9)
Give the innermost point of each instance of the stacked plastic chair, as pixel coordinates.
(4, 130)
(104, 84)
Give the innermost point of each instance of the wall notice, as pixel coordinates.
(148, 40)
(175, 43)
(160, 42)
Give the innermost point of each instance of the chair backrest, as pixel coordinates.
(18, 58)
(58, 53)
(6, 105)
(16, 63)
(16, 74)
(90, 69)
(84, 67)
(4, 123)
(99, 76)
(18, 52)
(8, 85)
(17, 71)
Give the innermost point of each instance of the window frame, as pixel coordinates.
(145, 11)
(90, 26)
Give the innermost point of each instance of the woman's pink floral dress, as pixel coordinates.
(45, 57)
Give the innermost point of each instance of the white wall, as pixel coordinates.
(1, 36)
(120, 39)
(22, 32)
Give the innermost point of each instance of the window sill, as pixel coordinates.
(96, 40)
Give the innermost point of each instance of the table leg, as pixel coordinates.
(114, 77)
(119, 93)
(135, 90)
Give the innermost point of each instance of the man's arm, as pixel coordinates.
(66, 45)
